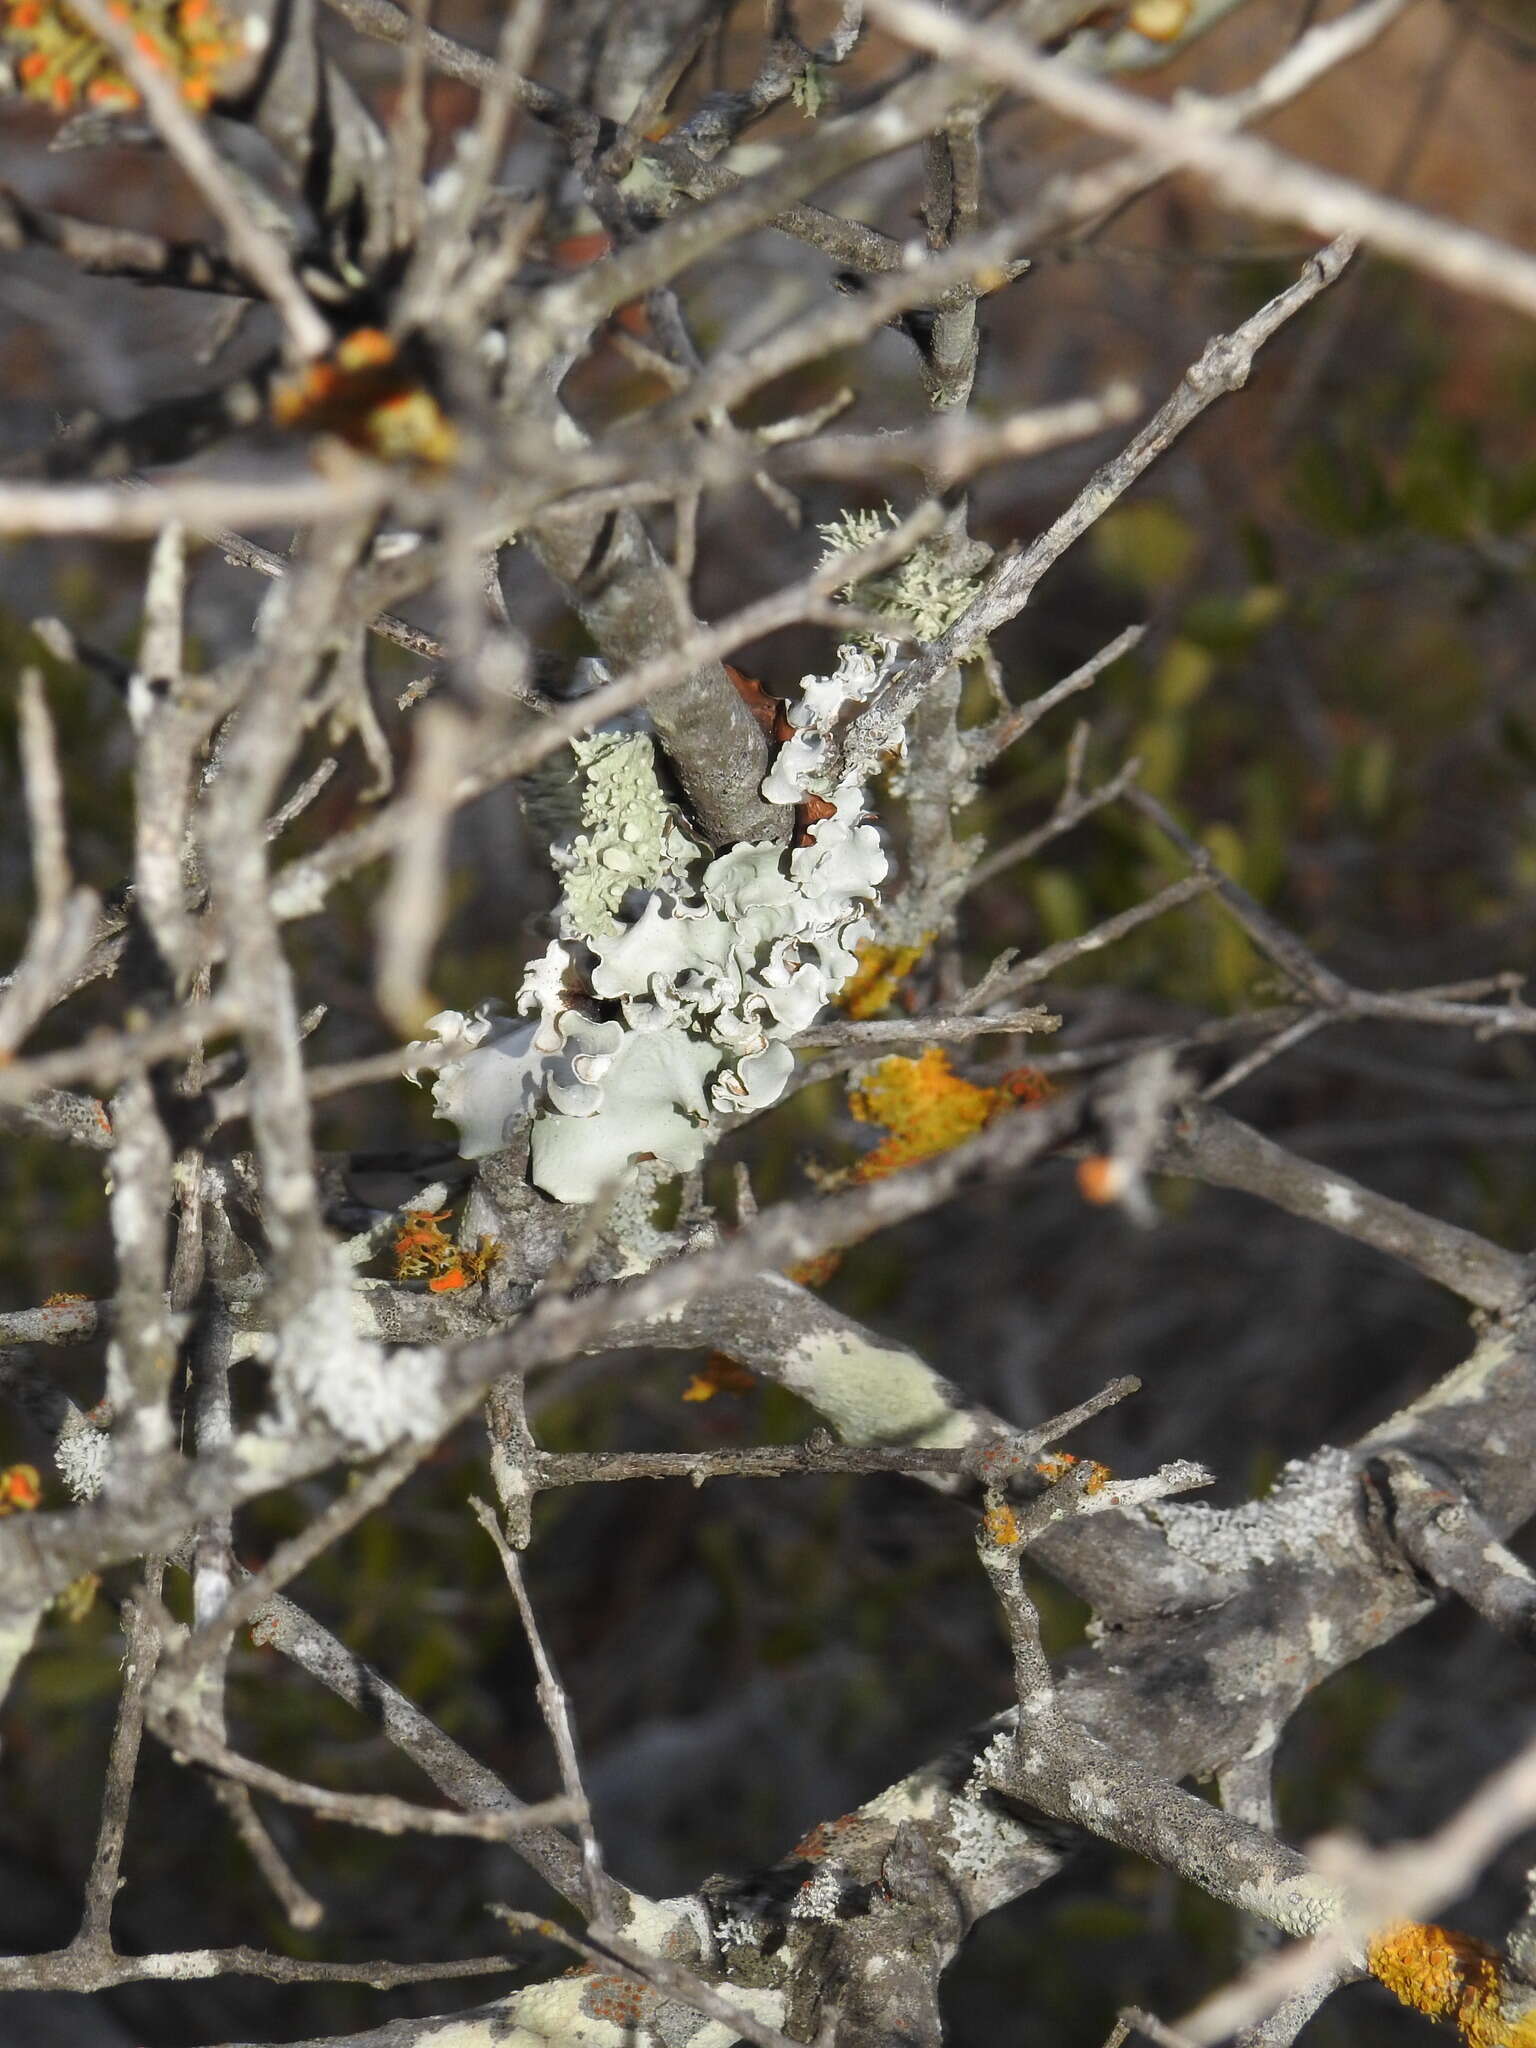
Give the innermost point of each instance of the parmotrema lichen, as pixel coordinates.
(667, 1001)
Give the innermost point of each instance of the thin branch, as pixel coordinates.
(131, 511)
(1444, 1536)
(1215, 1147)
(555, 1709)
(1248, 174)
(95, 1935)
(280, 1625)
(68, 1970)
(1222, 367)
(377, 1811)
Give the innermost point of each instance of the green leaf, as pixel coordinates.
(1182, 674)
(1060, 903)
(1147, 546)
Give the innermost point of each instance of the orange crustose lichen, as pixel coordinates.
(617, 1999)
(815, 1271)
(927, 1108)
(1453, 1978)
(880, 972)
(1057, 1464)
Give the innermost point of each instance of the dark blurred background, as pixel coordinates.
(1335, 694)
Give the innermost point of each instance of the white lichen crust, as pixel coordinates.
(82, 1453)
(984, 1836)
(1310, 1504)
(667, 1002)
(573, 2012)
(325, 1369)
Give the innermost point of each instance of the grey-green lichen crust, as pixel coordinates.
(632, 838)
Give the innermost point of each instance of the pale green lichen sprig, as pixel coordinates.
(925, 593)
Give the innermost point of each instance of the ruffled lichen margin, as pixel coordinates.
(666, 1003)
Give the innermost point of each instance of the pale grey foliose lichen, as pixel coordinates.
(667, 1002)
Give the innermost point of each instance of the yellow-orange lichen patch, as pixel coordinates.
(815, 1271)
(721, 1374)
(420, 1247)
(66, 65)
(1057, 1464)
(880, 972)
(369, 393)
(424, 1251)
(21, 1488)
(927, 1108)
(1001, 1525)
(1453, 1978)
(467, 1268)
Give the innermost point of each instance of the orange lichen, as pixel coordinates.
(369, 394)
(466, 1268)
(1057, 1464)
(617, 1999)
(487, 1253)
(420, 1247)
(20, 1488)
(1451, 1977)
(927, 1108)
(66, 65)
(1001, 1525)
(1027, 1085)
(1100, 1180)
(425, 1252)
(768, 710)
(815, 1271)
(816, 1841)
(721, 1374)
(67, 1301)
(880, 972)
